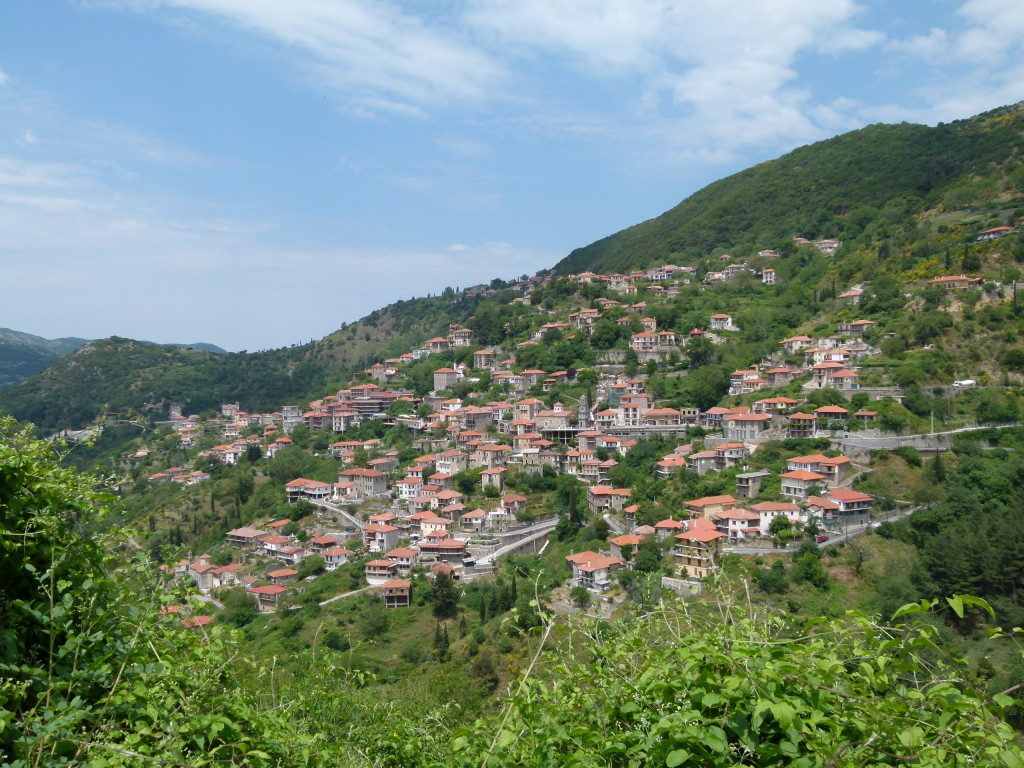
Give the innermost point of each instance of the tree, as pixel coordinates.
(779, 525)
(648, 557)
(240, 608)
(441, 643)
(87, 641)
(311, 566)
(699, 351)
(443, 597)
(580, 597)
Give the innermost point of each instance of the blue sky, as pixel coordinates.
(253, 173)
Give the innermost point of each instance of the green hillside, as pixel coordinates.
(907, 201)
(116, 375)
(23, 355)
(859, 187)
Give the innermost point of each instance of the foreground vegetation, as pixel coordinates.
(96, 672)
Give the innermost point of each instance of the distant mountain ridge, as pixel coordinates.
(23, 355)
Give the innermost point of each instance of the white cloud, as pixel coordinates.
(383, 56)
(931, 47)
(709, 81)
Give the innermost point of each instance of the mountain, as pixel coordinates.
(862, 185)
(200, 346)
(896, 195)
(116, 375)
(23, 355)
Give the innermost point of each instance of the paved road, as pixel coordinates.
(340, 510)
(342, 596)
(617, 528)
(834, 538)
(488, 559)
(210, 600)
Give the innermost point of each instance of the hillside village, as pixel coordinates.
(485, 430)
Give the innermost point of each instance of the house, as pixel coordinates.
(769, 510)
(700, 462)
(865, 416)
(662, 417)
(247, 538)
(602, 498)
(745, 426)
(445, 378)
(698, 548)
(851, 297)
(397, 593)
(994, 233)
(282, 575)
(801, 425)
(856, 328)
(592, 570)
(405, 557)
(738, 523)
(626, 540)
(794, 344)
(472, 521)
(956, 283)
(267, 596)
(708, 506)
(431, 524)
(493, 477)
(370, 483)
(459, 336)
(443, 550)
(768, 276)
(832, 413)
(832, 468)
(380, 537)
(843, 379)
(748, 484)
(321, 543)
(668, 527)
(772, 405)
(854, 507)
(379, 571)
(780, 377)
(272, 543)
(452, 462)
(335, 557)
(436, 344)
(311, 490)
(722, 322)
(795, 484)
(513, 505)
(674, 463)
(483, 360)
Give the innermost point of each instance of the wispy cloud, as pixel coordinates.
(382, 55)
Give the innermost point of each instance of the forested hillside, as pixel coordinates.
(119, 375)
(23, 355)
(862, 187)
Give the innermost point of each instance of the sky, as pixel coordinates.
(254, 173)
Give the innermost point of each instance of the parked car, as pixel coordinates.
(822, 537)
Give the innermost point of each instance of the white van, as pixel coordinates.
(964, 384)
